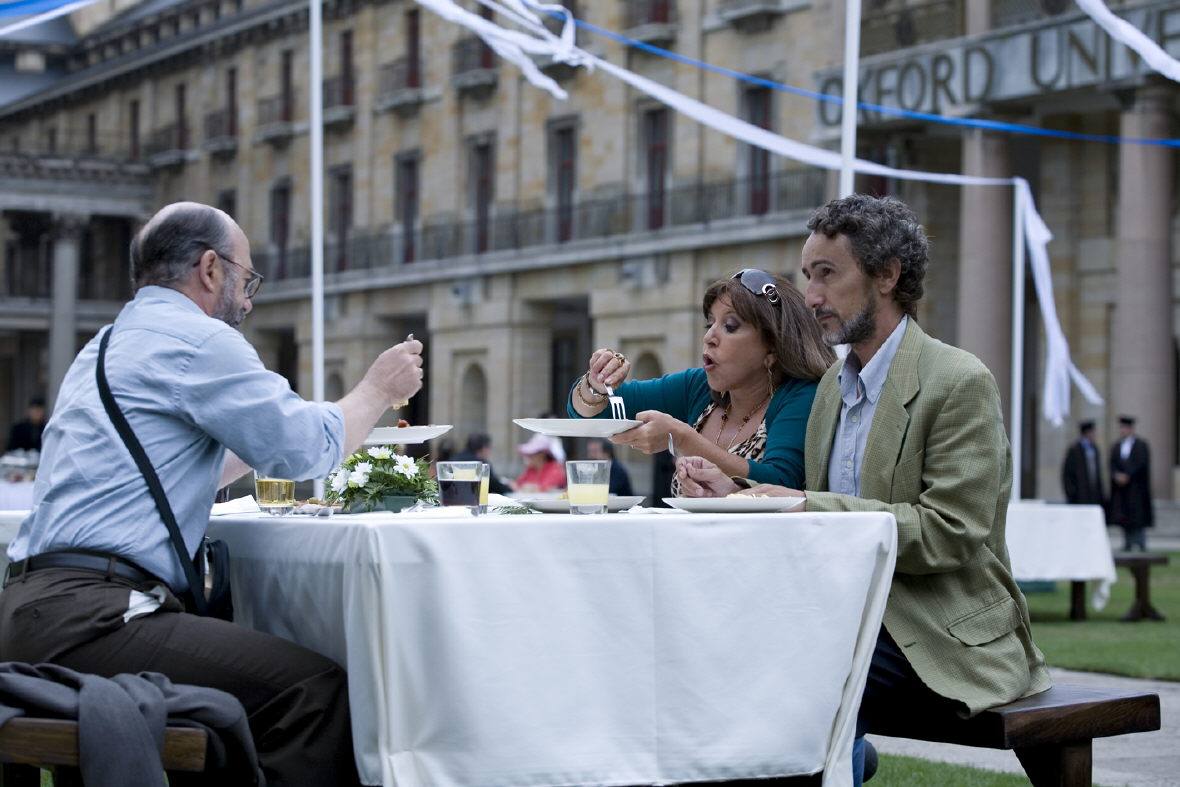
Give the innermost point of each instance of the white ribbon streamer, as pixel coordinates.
(1132, 37)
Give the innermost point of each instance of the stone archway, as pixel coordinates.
(646, 367)
(471, 415)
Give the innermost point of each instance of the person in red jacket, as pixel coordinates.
(544, 469)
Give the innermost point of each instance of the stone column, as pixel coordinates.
(985, 259)
(63, 326)
(1141, 350)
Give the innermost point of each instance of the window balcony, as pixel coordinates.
(168, 146)
(339, 101)
(750, 16)
(221, 132)
(399, 86)
(651, 21)
(889, 25)
(276, 119)
(474, 70)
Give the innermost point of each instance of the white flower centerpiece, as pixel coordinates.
(380, 479)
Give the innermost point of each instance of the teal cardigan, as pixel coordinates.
(685, 395)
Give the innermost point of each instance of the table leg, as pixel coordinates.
(1141, 608)
(1077, 600)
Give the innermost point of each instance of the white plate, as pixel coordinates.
(561, 505)
(733, 505)
(392, 435)
(576, 427)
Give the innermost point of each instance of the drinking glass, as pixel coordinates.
(458, 484)
(485, 480)
(588, 485)
(274, 495)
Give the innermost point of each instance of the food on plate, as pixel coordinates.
(402, 423)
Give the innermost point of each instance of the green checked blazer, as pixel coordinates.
(938, 459)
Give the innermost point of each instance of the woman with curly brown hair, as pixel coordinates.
(745, 408)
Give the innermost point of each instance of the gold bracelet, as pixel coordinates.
(578, 389)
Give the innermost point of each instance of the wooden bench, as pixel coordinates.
(1140, 566)
(28, 744)
(1051, 733)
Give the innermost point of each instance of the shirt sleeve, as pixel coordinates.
(782, 461)
(228, 393)
(674, 394)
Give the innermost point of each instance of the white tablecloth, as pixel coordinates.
(1061, 542)
(16, 495)
(557, 650)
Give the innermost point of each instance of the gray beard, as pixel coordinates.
(227, 311)
(857, 329)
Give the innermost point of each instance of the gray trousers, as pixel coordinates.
(296, 700)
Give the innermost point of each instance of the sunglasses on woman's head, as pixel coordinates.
(758, 282)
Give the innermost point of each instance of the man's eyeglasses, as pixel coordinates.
(253, 280)
(758, 282)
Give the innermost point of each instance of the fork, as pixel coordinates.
(617, 408)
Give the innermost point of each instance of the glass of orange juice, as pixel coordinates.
(485, 479)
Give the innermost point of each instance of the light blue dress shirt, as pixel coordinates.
(190, 386)
(859, 391)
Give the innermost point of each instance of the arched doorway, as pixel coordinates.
(646, 367)
(472, 413)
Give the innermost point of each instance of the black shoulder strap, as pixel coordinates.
(196, 588)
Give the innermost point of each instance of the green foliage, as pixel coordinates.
(378, 472)
(1102, 643)
(895, 771)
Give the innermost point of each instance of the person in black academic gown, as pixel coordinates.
(1130, 485)
(1081, 475)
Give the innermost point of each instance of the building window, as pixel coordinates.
(280, 226)
(341, 214)
(51, 138)
(406, 167)
(413, 49)
(287, 85)
(757, 112)
(481, 183)
(227, 202)
(91, 134)
(486, 56)
(655, 154)
(346, 67)
(231, 102)
(133, 130)
(181, 125)
(563, 151)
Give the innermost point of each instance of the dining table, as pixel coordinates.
(1055, 542)
(552, 649)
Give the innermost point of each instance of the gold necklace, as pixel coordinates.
(740, 429)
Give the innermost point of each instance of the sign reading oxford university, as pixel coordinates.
(955, 76)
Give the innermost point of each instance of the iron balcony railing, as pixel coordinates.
(73, 144)
(338, 92)
(587, 220)
(471, 54)
(171, 138)
(402, 74)
(221, 124)
(649, 12)
(888, 25)
(276, 109)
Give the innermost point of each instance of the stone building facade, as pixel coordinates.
(514, 232)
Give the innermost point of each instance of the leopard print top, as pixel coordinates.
(752, 448)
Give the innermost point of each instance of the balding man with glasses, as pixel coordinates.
(95, 579)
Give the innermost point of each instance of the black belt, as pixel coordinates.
(110, 565)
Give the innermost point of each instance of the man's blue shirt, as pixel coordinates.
(191, 387)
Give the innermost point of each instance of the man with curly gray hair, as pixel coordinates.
(911, 426)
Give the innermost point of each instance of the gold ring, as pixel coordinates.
(620, 357)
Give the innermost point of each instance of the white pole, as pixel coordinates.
(1017, 394)
(315, 24)
(851, 86)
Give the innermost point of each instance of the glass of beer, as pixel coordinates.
(485, 480)
(588, 485)
(274, 495)
(459, 484)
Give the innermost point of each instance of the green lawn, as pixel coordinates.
(911, 772)
(1101, 643)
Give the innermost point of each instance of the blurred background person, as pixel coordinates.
(1130, 485)
(479, 449)
(745, 408)
(544, 468)
(26, 435)
(620, 479)
(1081, 474)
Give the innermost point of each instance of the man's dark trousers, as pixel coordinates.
(296, 700)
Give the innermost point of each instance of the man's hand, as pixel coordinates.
(397, 372)
(701, 478)
(1122, 479)
(651, 436)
